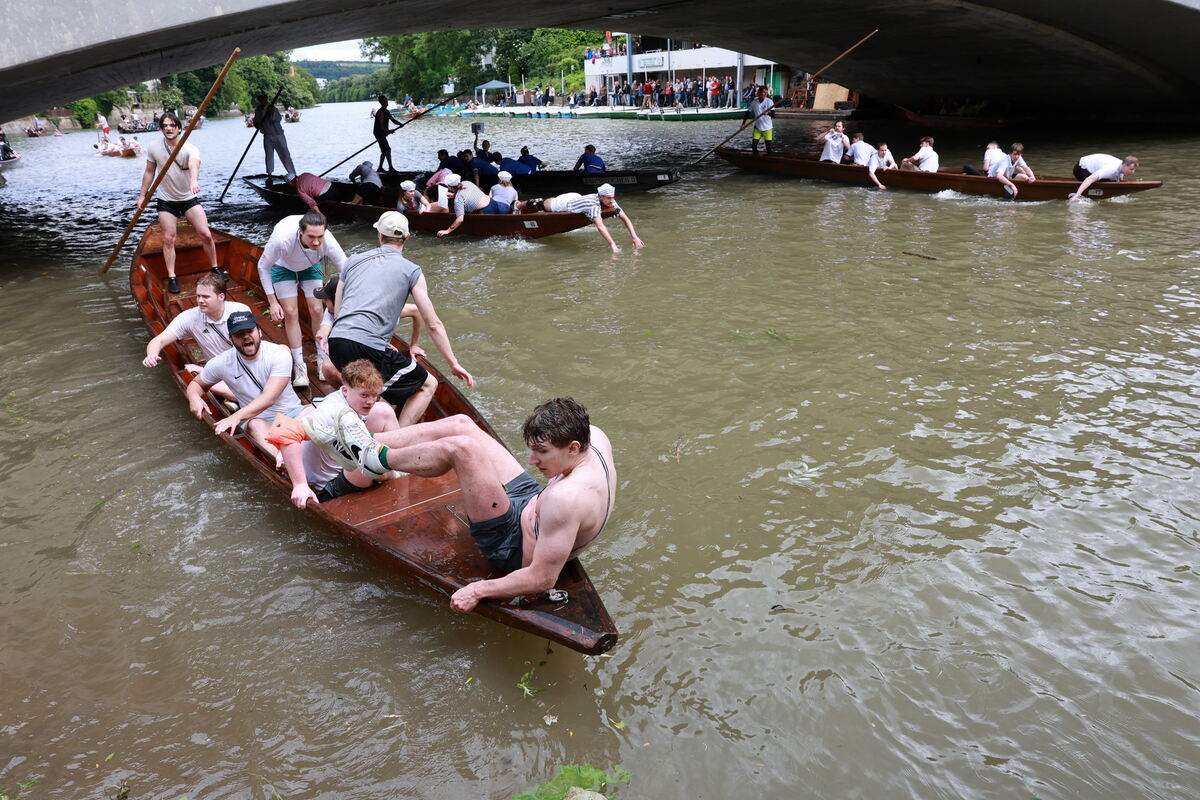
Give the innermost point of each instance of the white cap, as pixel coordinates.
(453, 179)
(408, 186)
(504, 175)
(392, 223)
(605, 190)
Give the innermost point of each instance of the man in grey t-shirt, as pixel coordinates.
(370, 298)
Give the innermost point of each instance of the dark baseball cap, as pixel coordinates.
(328, 290)
(241, 321)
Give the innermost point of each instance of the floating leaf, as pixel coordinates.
(618, 725)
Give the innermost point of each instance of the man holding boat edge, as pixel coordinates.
(526, 533)
(1101, 167)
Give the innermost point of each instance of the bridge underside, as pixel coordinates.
(1062, 57)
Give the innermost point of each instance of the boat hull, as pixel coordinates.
(283, 198)
(416, 526)
(1044, 188)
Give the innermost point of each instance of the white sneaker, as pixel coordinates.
(347, 440)
(300, 375)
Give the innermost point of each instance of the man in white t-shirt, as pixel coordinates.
(760, 110)
(1013, 168)
(176, 194)
(925, 159)
(316, 475)
(881, 158)
(591, 206)
(205, 324)
(292, 264)
(860, 151)
(258, 375)
(1101, 167)
(835, 143)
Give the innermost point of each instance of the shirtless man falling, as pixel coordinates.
(527, 533)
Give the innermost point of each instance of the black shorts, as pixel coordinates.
(535, 205)
(369, 193)
(402, 376)
(176, 208)
(337, 487)
(384, 146)
(340, 192)
(1080, 173)
(499, 538)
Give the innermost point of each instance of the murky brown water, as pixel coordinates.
(889, 526)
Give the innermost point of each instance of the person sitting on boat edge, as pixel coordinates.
(589, 162)
(860, 151)
(592, 206)
(205, 324)
(925, 159)
(503, 193)
(367, 183)
(327, 294)
(1012, 168)
(991, 154)
(410, 199)
(1101, 167)
(528, 534)
(835, 143)
(764, 125)
(371, 295)
(533, 162)
(258, 375)
(315, 475)
(466, 198)
(292, 264)
(881, 159)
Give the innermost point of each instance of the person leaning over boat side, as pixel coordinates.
(370, 298)
(860, 151)
(835, 144)
(381, 131)
(589, 162)
(881, 159)
(764, 126)
(266, 120)
(257, 374)
(527, 533)
(410, 199)
(367, 184)
(313, 188)
(533, 162)
(291, 265)
(1101, 167)
(591, 206)
(466, 198)
(514, 166)
(503, 194)
(925, 159)
(205, 324)
(315, 475)
(1012, 168)
(176, 195)
(327, 293)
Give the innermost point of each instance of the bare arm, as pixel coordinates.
(293, 459)
(412, 312)
(270, 393)
(195, 396)
(194, 173)
(1083, 187)
(453, 226)
(874, 177)
(632, 233)
(437, 331)
(154, 347)
(147, 179)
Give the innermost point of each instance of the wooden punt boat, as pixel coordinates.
(282, 197)
(122, 152)
(807, 166)
(549, 182)
(416, 526)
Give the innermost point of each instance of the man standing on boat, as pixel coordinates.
(176, 195)
(1101, 167)
(293, 264)
(370, 299)
(381, 131)
(761, 110)
(266, 120)
(527, 533)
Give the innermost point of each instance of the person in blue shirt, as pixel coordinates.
(589, 162)
(533, 162)
(453, 163)
(515, 166)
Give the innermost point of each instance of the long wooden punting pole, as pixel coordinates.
(398, 127)
(162, 173)
(814, 76)
(233, 174)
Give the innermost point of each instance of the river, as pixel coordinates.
(888, 524)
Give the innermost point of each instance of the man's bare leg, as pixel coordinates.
(169, 224)
(195, 215)
(415, 406)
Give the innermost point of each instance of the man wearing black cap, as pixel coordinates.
(266, 119)
(259, 375)
(371, 296)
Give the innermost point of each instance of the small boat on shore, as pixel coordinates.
(953, 178)
(415, 526)
(679, 114)
(282, 197)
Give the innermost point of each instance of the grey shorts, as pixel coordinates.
(499, 538)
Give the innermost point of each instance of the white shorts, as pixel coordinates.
(560, 203)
